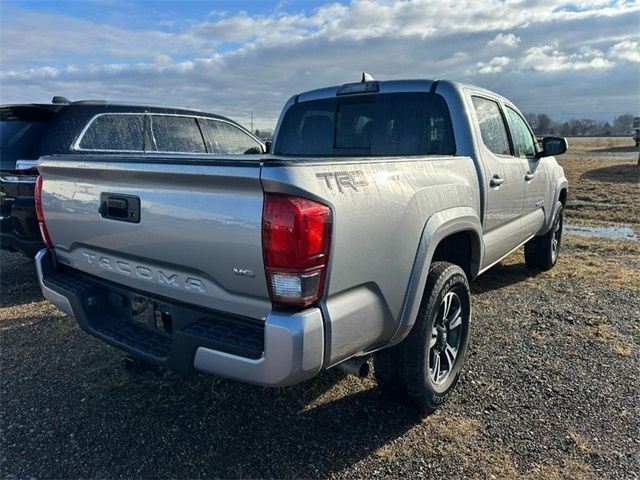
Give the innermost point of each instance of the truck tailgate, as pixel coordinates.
(197, 238)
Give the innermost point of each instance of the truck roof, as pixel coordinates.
(391, 86)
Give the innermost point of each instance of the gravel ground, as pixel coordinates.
(551, 389)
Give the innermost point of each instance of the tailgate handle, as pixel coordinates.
(125, 208)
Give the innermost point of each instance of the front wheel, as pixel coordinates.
(542, 252)
(425, 367)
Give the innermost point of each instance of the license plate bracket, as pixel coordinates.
(152, 314)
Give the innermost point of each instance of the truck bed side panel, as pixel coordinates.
(380, 208)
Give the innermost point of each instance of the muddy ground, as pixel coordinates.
(551, 387)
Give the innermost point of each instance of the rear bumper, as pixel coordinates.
(285, 349)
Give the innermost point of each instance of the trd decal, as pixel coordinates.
(344, 180)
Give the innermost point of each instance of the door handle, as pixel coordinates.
(529, 176)
(496, 181)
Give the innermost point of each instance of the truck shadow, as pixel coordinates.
(18, 280)
(195, 427)
(502, 275)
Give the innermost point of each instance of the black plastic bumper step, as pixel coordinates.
(191, 327)
(131, 335)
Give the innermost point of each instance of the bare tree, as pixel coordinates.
(545, 124)
(622, 124)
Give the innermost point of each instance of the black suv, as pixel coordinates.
(30, 131)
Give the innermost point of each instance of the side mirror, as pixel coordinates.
(267, 147)
(553, 146)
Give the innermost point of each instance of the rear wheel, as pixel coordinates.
(542, 252)
(425, 367)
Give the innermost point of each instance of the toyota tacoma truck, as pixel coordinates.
(357, 235)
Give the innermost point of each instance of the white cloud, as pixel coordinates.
(234, 63)
(495, 65)
(504, 40)
(627, 50)
(549, 58)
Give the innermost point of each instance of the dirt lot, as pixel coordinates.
(551, 386)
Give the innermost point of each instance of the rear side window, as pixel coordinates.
(17, 137)
(368, 125)
(115, 132)
(522, 137)
(177, 134)
(492, 127)
(230, 140)
(21, 130)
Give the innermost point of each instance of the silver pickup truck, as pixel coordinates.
(357, 235)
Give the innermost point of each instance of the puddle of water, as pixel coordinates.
(611, 233)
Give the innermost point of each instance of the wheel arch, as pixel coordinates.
(560, 193)
(444, 230)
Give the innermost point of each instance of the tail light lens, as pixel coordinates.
(40, 214)
(296, 238)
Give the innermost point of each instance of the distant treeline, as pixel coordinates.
(542, 124)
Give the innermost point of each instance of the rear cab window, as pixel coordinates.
(368, 125)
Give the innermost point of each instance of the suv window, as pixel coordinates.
(371, 125)
(115, 132)
(21, 129)
(230, 140)
(492, 127)
(177, 134)
(523, 142)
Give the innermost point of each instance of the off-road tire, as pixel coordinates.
(404, 371)
(541, 253)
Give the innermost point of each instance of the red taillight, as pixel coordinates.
(296, 237)
(40, 214)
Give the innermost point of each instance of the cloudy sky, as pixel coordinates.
(578, 59)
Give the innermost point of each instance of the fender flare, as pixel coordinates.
(561, 184)
(439, 226)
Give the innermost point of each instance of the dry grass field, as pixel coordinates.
(551, 386)
(604, 181)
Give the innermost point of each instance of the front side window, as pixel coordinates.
(522, 139)
(115, 132)
(368, 125)
(492, 127)
(177, 134)
(230, 140)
